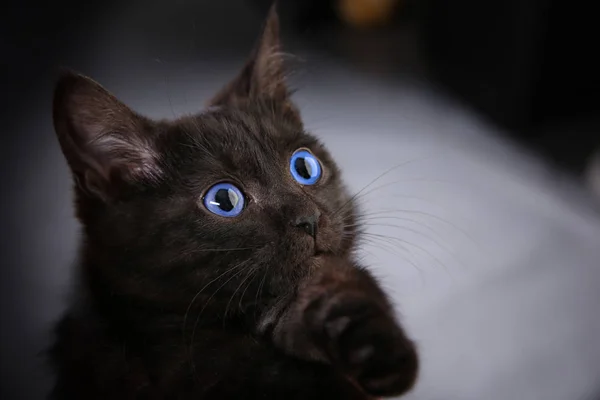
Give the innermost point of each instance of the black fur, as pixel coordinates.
(177, 303)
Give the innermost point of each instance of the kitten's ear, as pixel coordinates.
(104, 142)
(263, 76)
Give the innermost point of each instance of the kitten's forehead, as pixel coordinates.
(253, 143)
(257, 123)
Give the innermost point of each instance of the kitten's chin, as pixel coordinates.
(317, 259)
(314, 259)
(327, 259)
(321, 257)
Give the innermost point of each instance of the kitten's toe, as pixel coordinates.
(365, 343)
(382, 359)
(389, 375)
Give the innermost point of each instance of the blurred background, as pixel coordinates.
(486, 116)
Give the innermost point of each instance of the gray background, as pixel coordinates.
(492, 257)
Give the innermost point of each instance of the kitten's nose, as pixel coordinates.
(308, 224)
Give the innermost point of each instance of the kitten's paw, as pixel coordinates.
(366, 343)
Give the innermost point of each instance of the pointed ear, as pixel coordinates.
(263, 76)
(103, 141)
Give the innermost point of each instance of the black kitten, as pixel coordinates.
(217, 255)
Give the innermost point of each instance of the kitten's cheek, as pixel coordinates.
(329, 241)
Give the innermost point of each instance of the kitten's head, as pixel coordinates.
(236, 197)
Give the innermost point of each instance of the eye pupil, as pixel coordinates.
(303, 168)
(226, 199)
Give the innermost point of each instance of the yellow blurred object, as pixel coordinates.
(366, 13)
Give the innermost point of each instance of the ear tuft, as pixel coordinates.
(264, 75)
(101, 138)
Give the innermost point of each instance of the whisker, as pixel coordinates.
(387, 184)
(402, 241)
(349, 201)
(260, 286)
(193, 366)
(425, 214)
(366, 221)
(360, 196)
(251, 272)
(227, 271)
(241, 301)
(383, 247)
(421, 234)
(383, 243)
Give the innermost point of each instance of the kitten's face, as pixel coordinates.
(238, 197)
(273, 222)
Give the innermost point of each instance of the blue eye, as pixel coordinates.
(305, 167)
(224, 199)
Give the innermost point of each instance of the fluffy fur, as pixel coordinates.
(177, 303)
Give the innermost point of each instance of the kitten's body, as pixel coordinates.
(178, 303)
